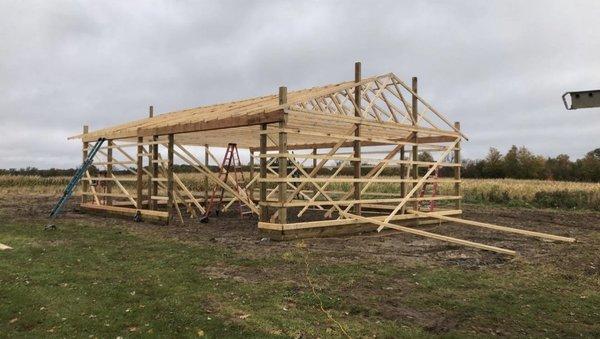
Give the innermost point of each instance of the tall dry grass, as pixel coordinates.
(512, 192)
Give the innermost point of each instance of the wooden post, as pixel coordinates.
(154, 170)
(206, 176)
(283, 160)
(315, 191)
(140, 172)
(85, 185)
(264, 210)
(402, 176)
(356, 143)
(457, 159)
(109, 171)
(150, 158)
(251, 165)
(415, 148)
(170, 200)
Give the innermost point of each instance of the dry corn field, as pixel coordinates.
(511, 192)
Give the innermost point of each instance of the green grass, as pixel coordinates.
(107, 281)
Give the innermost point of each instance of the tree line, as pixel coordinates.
(520, 163)
(517, 163)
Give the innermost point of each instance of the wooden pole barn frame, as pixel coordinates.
(299, 143)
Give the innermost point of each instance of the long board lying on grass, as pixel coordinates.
(126, 212)
(383, 224)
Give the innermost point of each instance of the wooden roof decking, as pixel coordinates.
(322, 113)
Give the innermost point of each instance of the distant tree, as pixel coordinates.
(493, 164)
(589, 166)
(530, 166)
(511, 163)
(472, 168)
(560, 168)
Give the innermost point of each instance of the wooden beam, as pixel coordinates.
(206, 162)
(263, 175)
(432, 235)
(197, 165)
(251, 183)
(150, 158)
(124, 211)
(356, 143)
(154, 171)
(140, 173)
(420, 182)
(109, 172)
(457, 160)
(494, 227)
(339, 222)
(230, 122)
(371, 173)
(415, 148)
(402, 175)
(170, 201)
(282, 161)
(421, 140)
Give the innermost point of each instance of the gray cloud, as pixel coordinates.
(498, 67)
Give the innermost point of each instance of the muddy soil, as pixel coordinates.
(243, 236)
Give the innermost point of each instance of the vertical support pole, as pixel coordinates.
(85, 185)
(357, 151)
(282, 161)
(402, 176)
(457, 159)
(170, 200)
(264, 210)
(206, 176)
(140, 172)
(415, 148)
(315, 191)
(150, 157)
(109, 171)
(251, 165)
(154, 162)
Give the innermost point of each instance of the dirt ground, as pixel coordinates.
(242, 236)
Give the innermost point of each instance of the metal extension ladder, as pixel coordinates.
(74, 181)
(231, 164)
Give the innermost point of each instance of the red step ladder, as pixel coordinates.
(231, 165)
(431, 204)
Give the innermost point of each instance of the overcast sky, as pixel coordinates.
(498, 67)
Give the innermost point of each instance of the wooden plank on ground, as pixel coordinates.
(5, 247)
(494, 227)
(432, 235)
(124, 211)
